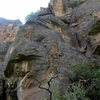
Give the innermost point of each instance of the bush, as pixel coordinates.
(74, 3)
(31, 16)
(81, 71)
(55, 92)
(87, 75)
(75, 92)
(85, 83)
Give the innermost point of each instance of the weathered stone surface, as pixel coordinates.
(7, 34)
(38, 56)
(60, 7)
(79, 22)
(57, 6)
(85, 10)
(8, 29)
(3, 50)
(87, 29)
(45, 46)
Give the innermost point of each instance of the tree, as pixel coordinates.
(31, 16)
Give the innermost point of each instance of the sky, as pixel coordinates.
(19, 9)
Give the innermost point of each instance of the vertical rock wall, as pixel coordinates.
(44, 47)
(8, 31)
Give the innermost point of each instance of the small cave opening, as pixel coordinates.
(7, 92)
(3, 90)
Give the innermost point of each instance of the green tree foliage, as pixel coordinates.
(31, 16)
(85, 83)
(74, 3)
(75, 92)
(87, 75)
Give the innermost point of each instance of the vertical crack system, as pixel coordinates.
(47, 89)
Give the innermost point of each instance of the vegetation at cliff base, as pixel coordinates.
(87, 75)
(85, 83)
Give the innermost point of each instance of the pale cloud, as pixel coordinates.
(18, 9)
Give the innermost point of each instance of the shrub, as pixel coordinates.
(87, 75)
(75, 92)
(55, 92)
(31, 16)
(85, 83)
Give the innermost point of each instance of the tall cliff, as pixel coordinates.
(64, 34)
(8, 31)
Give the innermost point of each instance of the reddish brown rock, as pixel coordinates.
(8, 29)
(8, 33)
(45, 46)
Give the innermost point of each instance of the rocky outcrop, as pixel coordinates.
(82, 23)
(7, 35)
(3, 50)
(37, 57)
(62, 35)
(8, 29)
(87, 18)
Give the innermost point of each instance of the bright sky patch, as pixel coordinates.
(19, 9)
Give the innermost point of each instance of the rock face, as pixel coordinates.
(44, 47)
(37, 57)
(88, 20)
(3, 50)
(82, 23)
(8, 29)
(7, 35)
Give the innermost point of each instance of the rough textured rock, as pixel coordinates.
(7, 34)
(44, 47)
(79, 23)
(3, 50)
(37, 56)
(59, 7)
(8, 29)
(87, 29)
